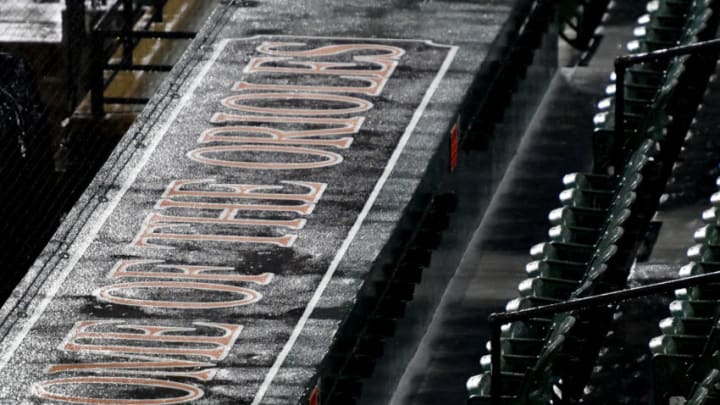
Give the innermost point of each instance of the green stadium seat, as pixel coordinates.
(689, 345)
(574, 234)
(707, 309)
(684, 326)
(701, 395)
(589, 181)
(708, 233)
(563, 252)
(642, 81)
(668, 30)
(590, 282)
(603, 218)
(705, 393)
(478, 386)
(539, 389)
(528, 328)
(663, 20)
(715, 199)
(585, 199)
(707, 291)
(555, 288)
(510, 362)
(710, 215)
(703, 252)
(536, 382)
(579, 216)
(555, 269)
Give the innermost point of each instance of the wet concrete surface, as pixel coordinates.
(556, 142)
(30, 21)
(98, 315)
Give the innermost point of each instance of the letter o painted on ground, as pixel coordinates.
(360, 104)
(329, 158)
(191, 392)
(249, 296)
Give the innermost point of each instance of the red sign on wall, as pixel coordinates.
(454, 147)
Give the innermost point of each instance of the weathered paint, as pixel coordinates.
(218, 251)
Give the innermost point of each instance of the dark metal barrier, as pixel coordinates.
(128, 38)
(496, 320)
(582, 18)
(75, 16)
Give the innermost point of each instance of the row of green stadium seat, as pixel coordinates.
(687, 353)
(681, 22)
(589, 252)
(705, 392)
(696, 168)
(602, 222)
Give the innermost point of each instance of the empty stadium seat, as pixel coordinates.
(603, 218)
(571, 267)
(646, 84)
(686, 352)
(705, 392)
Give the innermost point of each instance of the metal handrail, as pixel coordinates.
(133, 34)
(113, 8)
(128, 37)
(496, 320)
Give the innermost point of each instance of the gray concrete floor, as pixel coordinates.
(555, 143)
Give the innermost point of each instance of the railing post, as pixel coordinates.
(616, 146)
(75, 30)
(127, 27)
(126, 37)
(97, 81)
(158, 10)
(495, 360)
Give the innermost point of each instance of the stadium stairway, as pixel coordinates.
(506, 124)
(524, 65)
(450, 349)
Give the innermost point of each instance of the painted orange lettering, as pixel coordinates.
(248, 295)
(375, 88)
(154, 229)
(128, 268)
(271, 48)
(387, 60)
(177, 188)
(192, 392)
(237, 103)
(141, 367)
(214, 347)
(328, 158)
(276, 136)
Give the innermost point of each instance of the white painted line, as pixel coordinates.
(96, 225)
(355, 228)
